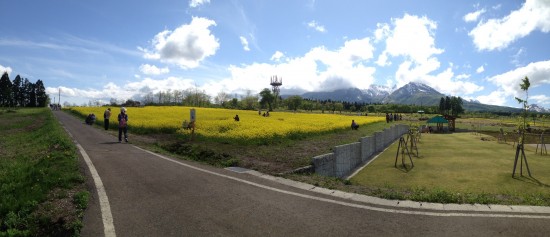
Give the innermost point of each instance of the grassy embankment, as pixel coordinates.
(42, 190)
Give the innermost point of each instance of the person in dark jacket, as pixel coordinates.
(122, 125)
(354, 125)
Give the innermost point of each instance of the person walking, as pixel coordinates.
(122, 125)
(106, 117)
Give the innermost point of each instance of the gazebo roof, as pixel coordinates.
(437, 119)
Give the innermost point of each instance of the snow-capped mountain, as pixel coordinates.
(374, 94)
(537, 108)
(414, 93)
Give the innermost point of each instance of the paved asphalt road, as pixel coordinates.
(153, 196)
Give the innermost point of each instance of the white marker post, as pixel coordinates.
(193, 116)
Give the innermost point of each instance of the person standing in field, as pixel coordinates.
(106, 117)
(122, 125)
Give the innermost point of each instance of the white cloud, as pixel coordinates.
(495, 98)
(412, 37)
(318, 69)
(463, 76)
(541, 99)
(314, 25)
(244, 42)
(196, 3)
(473, 16)
(131, 90)
(516, 58)
(152, 69)
(186, 46)
(277, 56)
(537, 72)
(382, 32)
(480, 69)
(5, 69)
(499, 33)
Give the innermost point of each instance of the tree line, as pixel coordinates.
(266, 100)
(22, 93)
(451, 106)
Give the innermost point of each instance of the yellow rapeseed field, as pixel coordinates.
(219, 123)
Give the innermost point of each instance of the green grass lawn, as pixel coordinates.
(42, 191)
(459, 168)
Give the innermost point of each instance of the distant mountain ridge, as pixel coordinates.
(411, 93)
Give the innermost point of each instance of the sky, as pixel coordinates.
(124, 49)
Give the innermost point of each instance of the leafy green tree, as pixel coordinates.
(338, 106)
(525, 87)
(267, 98)
(294, 102)
(249, 102)
(371, 109)
(234, 103)
(456, 106)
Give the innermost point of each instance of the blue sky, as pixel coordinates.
(98, 50)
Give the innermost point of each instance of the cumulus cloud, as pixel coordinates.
(185, 46)
(318, 69)
(541, 99)
(480, 69)
(314, 25)
(494, 98)
(473, 16)
(137, 89)
(499, 33)
(277, 56)
(5, 69)
(196, 3)
(244, 42)
(153, 70)
(463, 76)
(508, 83)
(412, 39)
(382, 32)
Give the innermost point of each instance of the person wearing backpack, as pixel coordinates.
(122, 125)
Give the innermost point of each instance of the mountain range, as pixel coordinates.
(411, 93)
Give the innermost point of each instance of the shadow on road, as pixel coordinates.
(108, 143)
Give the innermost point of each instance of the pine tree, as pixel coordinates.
(6, 95)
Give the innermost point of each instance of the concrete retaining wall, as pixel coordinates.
(346, 158)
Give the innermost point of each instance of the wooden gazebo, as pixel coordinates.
(451, 120)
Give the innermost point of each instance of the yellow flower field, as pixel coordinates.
(219, 123)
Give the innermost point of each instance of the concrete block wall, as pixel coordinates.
(324, 164)
(345, 158)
